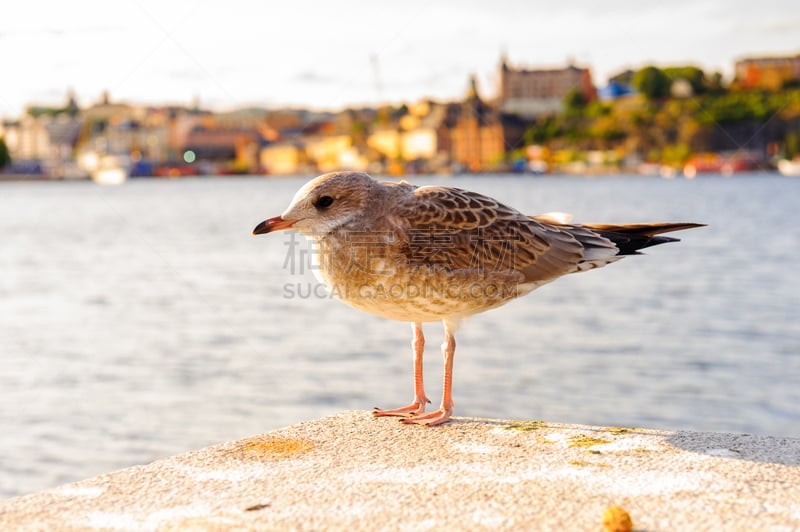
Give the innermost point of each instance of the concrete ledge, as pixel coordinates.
(351, 471)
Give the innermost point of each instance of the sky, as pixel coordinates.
(331, 54)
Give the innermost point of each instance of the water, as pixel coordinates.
(142, 321)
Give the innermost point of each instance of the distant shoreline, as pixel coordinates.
(23, 178)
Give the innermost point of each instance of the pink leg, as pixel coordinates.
(418, 406)
(446, 409)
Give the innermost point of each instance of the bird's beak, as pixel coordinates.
(273, 224)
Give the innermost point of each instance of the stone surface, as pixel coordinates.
(352, 471)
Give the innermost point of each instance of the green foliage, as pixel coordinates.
(606, 129)
(676, 154)
(669, 130)
(652, 124)
(575, 103)
(597, 109)
(5, 156)
(695, 76)
(38, 110)
(715, 83)
(652, 82)
(735, 107)
(544, 130)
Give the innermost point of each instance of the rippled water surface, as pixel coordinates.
(144, 320)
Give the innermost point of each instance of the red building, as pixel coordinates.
(767, 72)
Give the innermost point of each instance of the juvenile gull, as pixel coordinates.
(423, 254)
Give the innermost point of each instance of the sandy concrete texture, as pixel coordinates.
(352, 471)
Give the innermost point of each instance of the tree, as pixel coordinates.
(543, 130)
(695, 76)
(5, 156)
(575, 103)
(652, 82)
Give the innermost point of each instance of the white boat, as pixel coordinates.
(789, 168)
(110, 170)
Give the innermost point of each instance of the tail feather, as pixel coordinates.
(630, 238)
(646, 229)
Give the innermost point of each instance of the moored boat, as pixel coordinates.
(110, 170)
(789, 168)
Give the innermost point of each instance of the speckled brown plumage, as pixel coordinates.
(432, 253)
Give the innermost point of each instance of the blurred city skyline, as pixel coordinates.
(350, 53)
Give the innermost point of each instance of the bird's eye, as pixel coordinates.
(324, 201)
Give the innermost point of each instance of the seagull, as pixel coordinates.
(423, 254)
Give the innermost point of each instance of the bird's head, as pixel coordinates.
(323, 204)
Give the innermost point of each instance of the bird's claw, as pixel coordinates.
(430, 420)
(414, 409)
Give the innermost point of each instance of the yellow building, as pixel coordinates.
(281, 159)
(334, 152)
(386, 142)
(418, 143)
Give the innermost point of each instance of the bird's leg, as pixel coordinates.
(418, 406)
(446, 409)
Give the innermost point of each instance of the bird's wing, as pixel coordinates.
(461, 230)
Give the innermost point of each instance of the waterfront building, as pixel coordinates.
(476, 136)
(534, 92)
(771, 73)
